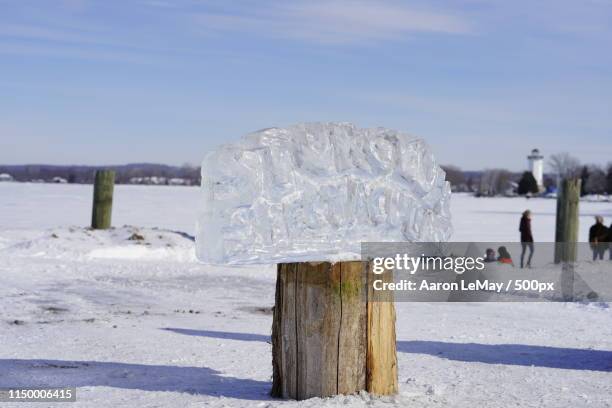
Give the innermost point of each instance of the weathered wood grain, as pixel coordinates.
(352, 344)
(327, 339)
(284, 341)
(318, 325)
(381, 355)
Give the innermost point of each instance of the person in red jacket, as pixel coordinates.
(526, 237)
(504, 256)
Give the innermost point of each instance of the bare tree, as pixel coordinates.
(596, 182)
(564, 165)
(494, 182)
(504, 178)
(455, 176)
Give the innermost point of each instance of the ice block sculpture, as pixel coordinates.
(315, 191)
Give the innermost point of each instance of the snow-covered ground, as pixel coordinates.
(130, 318)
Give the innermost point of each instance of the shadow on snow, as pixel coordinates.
(509, 354)
(191, 380)
(221, 335)
(513, 354)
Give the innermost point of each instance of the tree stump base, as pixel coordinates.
(329, 336)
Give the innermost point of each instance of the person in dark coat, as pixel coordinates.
(490, 255)
(598, 238)
(610, 240)
(526, 237)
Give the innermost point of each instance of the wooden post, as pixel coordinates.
(559, 223)
(102, 199)
(329, 336)
(566, 232)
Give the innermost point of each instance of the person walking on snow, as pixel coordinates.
(526, 237)
(610, 240)
(598, 237)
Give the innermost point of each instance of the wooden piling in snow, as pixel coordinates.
(330, 335)
(102, 199)
(566, 230)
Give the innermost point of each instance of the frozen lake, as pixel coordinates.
(27, 205)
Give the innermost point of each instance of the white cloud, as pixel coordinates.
(33, 32)
(54, 51)
(336, 22)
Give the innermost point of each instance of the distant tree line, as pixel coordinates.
(125, 174)
(490, 182)
(595, 179)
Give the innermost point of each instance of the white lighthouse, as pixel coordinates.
(536, 165)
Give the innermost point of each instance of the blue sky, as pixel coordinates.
(108, 82)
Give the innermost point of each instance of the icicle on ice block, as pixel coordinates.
(315, 191)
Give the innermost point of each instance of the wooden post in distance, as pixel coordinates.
(102, 199)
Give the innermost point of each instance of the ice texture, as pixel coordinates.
(315, 191)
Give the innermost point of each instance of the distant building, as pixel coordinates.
(59, 180)
(177, 181)
(535, 162)
(137, 180)
(6, 177)
(157, 180)
(154, 180)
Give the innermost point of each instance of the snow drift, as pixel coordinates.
(315, 191)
